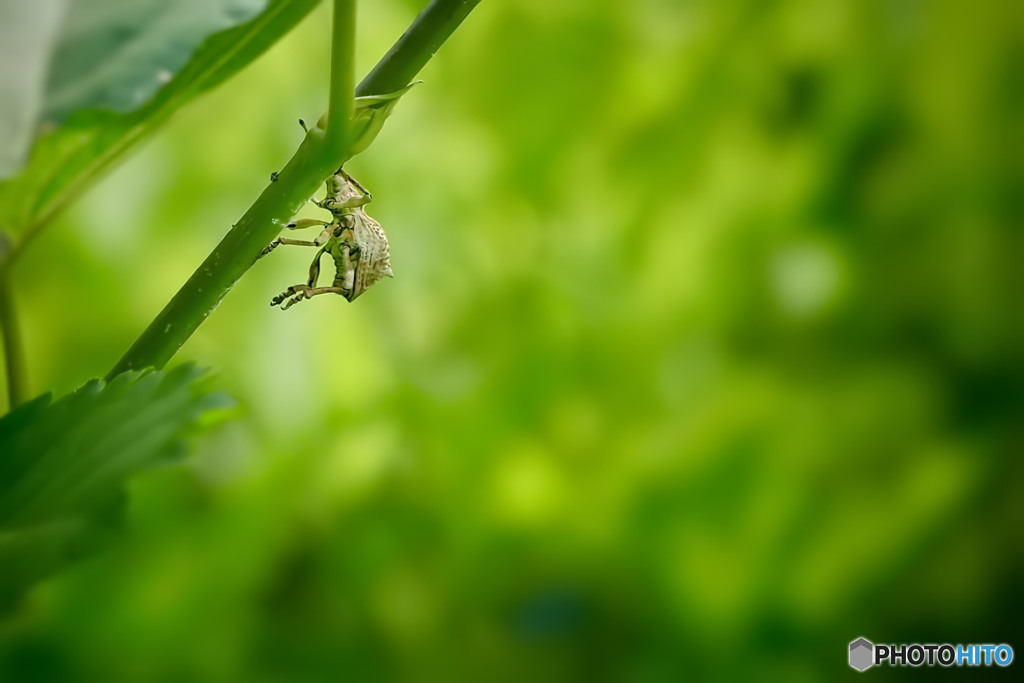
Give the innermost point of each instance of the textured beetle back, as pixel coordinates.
(374, 261)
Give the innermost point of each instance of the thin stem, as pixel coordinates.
(317, 157)
(339, 109)
(416, 46)
(14, 350)
(230, 259)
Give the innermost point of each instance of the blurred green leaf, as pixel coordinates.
(116, 54)
(93, 136)
(63, 464)
(28, 31)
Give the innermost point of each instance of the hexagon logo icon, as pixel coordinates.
(862, 654)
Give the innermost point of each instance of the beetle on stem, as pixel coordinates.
(354, 240)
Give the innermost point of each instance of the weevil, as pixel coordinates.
(354, 240)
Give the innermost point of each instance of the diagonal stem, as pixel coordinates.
(417, 45)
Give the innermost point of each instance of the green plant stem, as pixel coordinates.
(230, 259)
(416, 46)
(339, 106)
(318, 156)
(14, 350)
(320, 153)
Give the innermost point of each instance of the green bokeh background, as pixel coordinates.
(703, 358)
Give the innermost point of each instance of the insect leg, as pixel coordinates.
(358, 186)
(300, 292)
(314, 268)
(284, 240)
(305, 223)
(331, 203)
(287, 293)
(319, 241)
(309, 293)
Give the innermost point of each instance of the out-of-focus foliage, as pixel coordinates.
(118, 71)
(28, 33)
(64, 464)
(116, 54)
(703, 358)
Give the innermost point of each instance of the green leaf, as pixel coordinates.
(63, 465)
(115, 54)
(92, 134)
(28, 32)
(368, 116)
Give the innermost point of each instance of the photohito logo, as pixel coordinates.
(864, 654)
